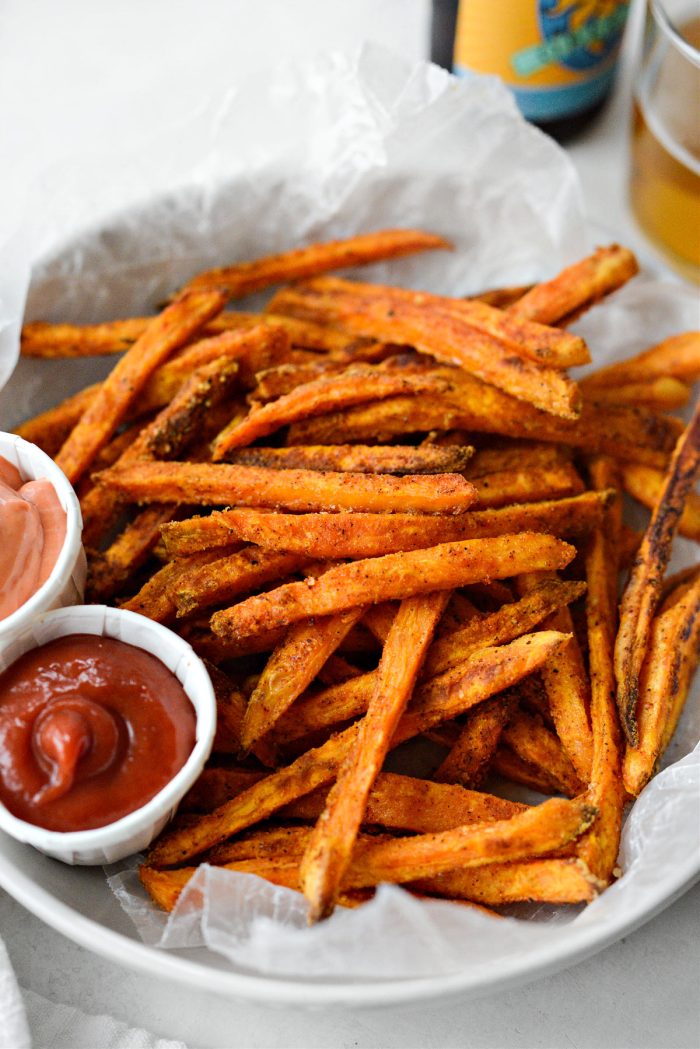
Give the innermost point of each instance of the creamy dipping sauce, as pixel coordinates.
(32, 533)
(90, 729)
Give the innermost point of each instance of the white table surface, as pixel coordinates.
(66, 69)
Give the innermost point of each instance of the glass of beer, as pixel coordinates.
(665, 156)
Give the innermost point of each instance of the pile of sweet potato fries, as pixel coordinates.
(382, 514)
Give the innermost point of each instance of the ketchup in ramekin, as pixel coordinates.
(91, 729)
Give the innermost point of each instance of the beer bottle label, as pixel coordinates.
(557, 56)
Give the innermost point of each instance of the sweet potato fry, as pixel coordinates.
(217, 785)
(165, 437)
(468, 760)
(40, 339)
(120, 389)
(507, 764)
(244, 278)
(598, 848)
(500, 298)
(646, 484)
(358, 384)
(155, 599)
(498, 884)
(371, 535)
(291, 668)
(526, 486)
(108, 573)
(50, 429)
(339, 703)
(486, 673)
(221, 484)
(672, 656)
(516, 455)
(661, 394)
(677, 357)
(567, 688)
(394, 576)
(527, 338)
(224, 578)
(445, 336)
(508, 622)
(625, 432)
(641, 593)
(330, 847)
(536, 831)
(406, 803)
(356, 458)
(577, 287)
(531, 741)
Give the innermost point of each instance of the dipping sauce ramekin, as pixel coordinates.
(66, 584)
(137, 829)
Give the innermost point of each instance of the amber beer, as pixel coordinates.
(665, 171)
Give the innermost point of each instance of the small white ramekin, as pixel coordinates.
(136, 830)
(66, 584)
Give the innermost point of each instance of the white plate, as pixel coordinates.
(79, 903)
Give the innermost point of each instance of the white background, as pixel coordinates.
(75, 71)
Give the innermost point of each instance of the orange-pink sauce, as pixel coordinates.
(32, 532)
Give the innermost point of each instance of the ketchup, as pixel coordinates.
(32, 529)
(90, 730)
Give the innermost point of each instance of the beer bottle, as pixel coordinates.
(557, 56)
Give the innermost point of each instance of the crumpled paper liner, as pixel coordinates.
(310, 152)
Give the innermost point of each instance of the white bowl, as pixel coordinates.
(66, 584)
(137, 829)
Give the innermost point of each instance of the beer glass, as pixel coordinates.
(665, 154)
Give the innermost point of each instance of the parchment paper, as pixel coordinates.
(349, 143)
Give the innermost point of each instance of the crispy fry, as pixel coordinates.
(40, 339)
(598, 848)
(497, 884)
(371, 535)
(469, 758)
(527, 338)
(661, 394)
(120, 389)
(50, 429)
(155, 600)
(291, 667)
(219, 580)
(646, 484)
(405, 803)
(674, 647)
(508, 622)
(677, 357)
(217, 785)
(516, 455)
(394, 576)
(526, 486)
(528, 738)
(511, 767)
(577, 287)
(641, 593)
(244, 278)
(220, 484)
(445, 336)
(628, 433)
(358, 384)
(355, 458)
(486, 673)
(567, 689)
(165, 437)
(503, 297)
(536, 831)
(109, 573)
(330, 847)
